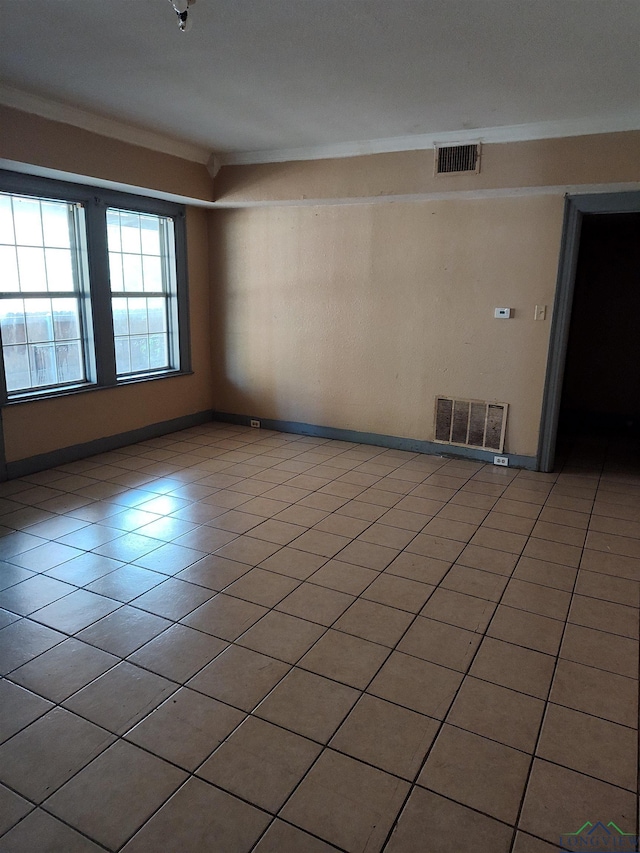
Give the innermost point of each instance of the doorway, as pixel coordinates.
(601, 384)
(593, 371)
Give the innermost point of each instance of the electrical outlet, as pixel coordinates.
(254, 423)
(501, 460)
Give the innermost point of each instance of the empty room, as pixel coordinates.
(319, 422)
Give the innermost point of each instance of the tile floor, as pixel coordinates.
(235, 640)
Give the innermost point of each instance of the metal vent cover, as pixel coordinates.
(457, 158)
(470, 423)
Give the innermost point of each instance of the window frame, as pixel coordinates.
(99, 344)
(168, 293)
(26, 295)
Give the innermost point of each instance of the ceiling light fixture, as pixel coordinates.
(181, 8)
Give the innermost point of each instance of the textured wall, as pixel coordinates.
(612, 158)
(357, 316)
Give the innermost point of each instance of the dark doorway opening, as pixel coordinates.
(580, 209)
(601, 384)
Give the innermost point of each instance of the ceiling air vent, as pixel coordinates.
(470, 423)
(457, 158)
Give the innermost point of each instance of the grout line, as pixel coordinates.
(362, 693)
(342, 472)
(544, 715)
(443, 722)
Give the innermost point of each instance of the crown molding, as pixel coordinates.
(214, 164)
(112, 128)
(420, 142)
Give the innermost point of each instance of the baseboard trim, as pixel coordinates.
(413, 445)
(64, 455)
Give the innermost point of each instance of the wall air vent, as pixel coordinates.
(457, 158)
(470, 423)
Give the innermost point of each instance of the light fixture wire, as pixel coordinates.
(183, 15)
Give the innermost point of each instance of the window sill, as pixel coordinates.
(73, 390)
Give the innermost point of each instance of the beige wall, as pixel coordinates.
(41, 142)
(612, 158)
(357, 316)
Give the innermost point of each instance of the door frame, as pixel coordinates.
(576, 206)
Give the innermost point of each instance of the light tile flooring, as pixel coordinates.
(234, 640)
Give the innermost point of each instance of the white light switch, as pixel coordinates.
(502, 313)
(540, 312)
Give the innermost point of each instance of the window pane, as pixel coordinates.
(120, 317)
(28, 225)
(138, 316)
(113, 231)
(16, 367)
(150, 235)
(33, 275)
(130, 232)
(66, 319)
(42, 359)
(144, 323)
(139, 354)
(158, 355)
(157, 314)
(123, 357)
(55, 224)
(6, 220)
(9, 265)
(69, 362)
(39, 320)
(42, 362)
(59, 269)
(12, 321)
(152, 270)
(115, 271)
(132, 271)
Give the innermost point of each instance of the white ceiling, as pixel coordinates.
(259, 80)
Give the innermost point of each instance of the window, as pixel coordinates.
(93, 287)
(141, 269)
(41, 287)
